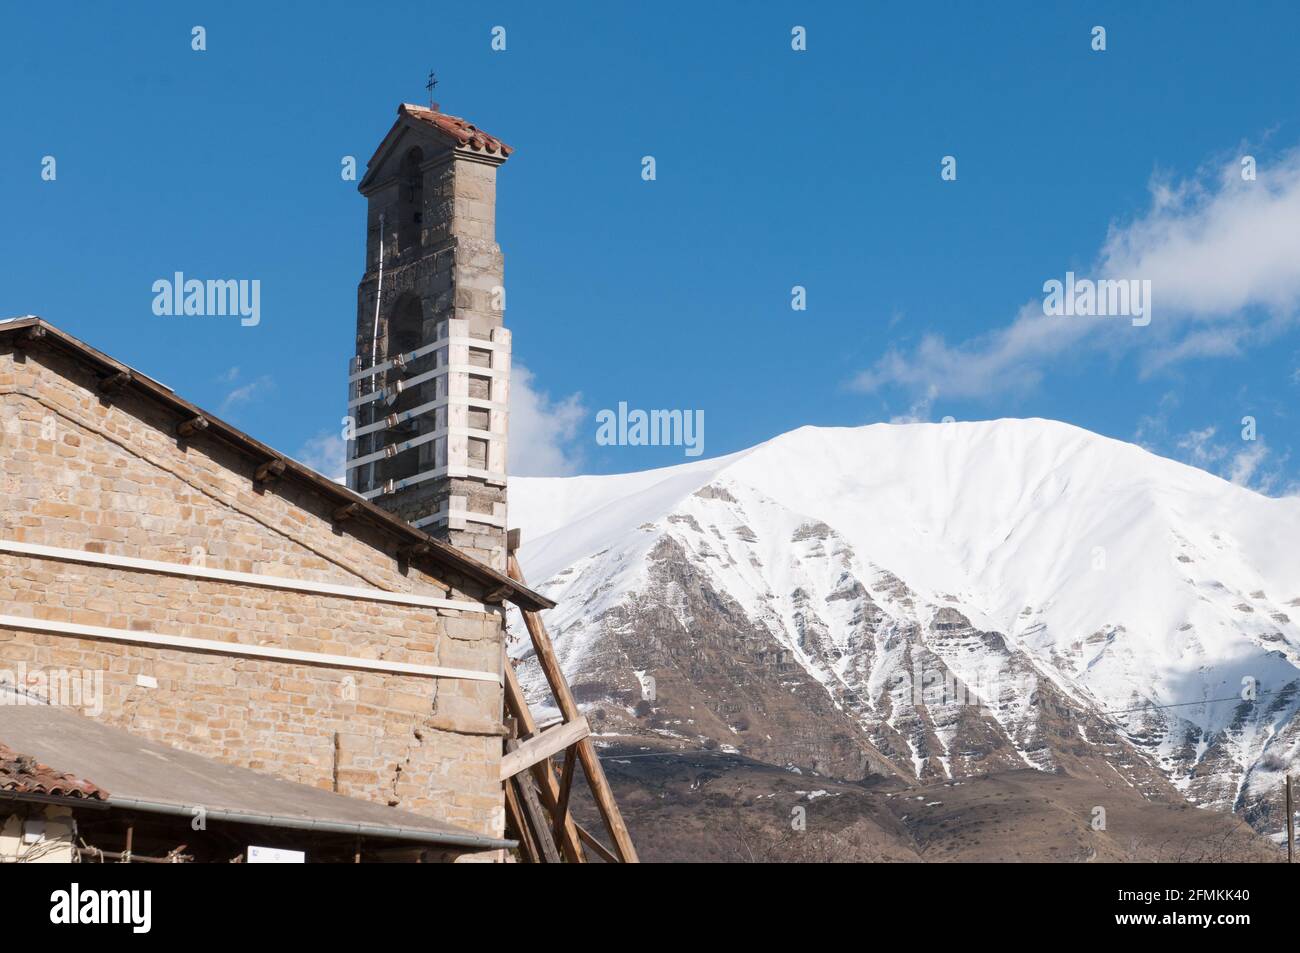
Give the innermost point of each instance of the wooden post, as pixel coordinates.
(590, 760)
(515, 820)
(532, 814)
(570, 843)
(1290, 824)
(566, 785)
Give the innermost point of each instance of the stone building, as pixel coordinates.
(241, 606)
(238, 604)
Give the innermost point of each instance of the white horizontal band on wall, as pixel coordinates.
(404, 359)
(473, 370)
(454, 472)
(241, 648)
(243, 578)
(476, 343)
(468, 516)
(394, 449)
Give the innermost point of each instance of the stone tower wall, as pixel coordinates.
(445, 433)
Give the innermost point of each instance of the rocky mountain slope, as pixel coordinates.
(933, 603)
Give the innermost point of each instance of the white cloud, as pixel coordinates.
(918, 413)
(1246, 468)
(326, 453)
(1221, 257)
(542, 430)
(1011, 358)
(246, 394)
(1249, 463)
(1216, 244)
(1199, 447)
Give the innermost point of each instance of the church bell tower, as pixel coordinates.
(428, 389)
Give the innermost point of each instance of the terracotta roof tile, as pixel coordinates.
(465, 133)
(23, 774)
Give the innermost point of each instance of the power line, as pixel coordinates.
(1204, 701)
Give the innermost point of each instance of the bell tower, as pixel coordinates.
(428, 389)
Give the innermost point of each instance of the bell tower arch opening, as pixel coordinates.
(411, 202)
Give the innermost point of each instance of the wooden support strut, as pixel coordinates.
(566, 785)
(570, 843)
(541, 746)
(530, 819)
(586, 751)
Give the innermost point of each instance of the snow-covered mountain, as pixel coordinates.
(935, 601)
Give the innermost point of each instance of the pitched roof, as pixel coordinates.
(465, 133)
(146, 776)
(36, 332)
(459, 133)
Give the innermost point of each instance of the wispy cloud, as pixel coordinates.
(1248, 467)
(247, 393)
(1220, 253)
(1252, 463)
(1011, 358)
(1198, 447)
(326, 453)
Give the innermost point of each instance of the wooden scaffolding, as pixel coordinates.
(537, 801)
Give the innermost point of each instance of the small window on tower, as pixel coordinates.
(411, 197)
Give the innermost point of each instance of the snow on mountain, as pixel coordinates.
(1081, 598)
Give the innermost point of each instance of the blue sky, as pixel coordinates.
(775, 168)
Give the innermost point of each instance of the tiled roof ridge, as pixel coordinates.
(462, 130)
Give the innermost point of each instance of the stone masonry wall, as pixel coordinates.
(86, 473)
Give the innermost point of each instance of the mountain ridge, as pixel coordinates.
(1051, 578)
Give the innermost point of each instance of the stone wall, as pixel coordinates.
(102, 475)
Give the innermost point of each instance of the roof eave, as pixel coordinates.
(465, 839)
(437, 551)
